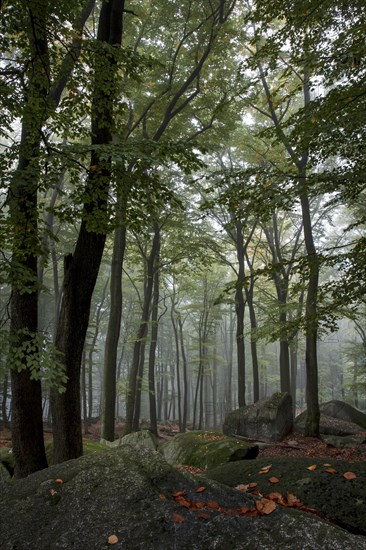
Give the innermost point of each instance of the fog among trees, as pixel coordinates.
(183, 206)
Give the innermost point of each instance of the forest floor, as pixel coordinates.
(293, 445)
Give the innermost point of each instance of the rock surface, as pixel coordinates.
(270, 418)
(323, 487)
(128, 492)
(143, 438)
(206, 449)
(328, 425)
(343, 411)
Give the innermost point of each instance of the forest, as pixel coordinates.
(183, 210)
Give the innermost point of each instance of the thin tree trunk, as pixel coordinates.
(152, 351)
(134, 383)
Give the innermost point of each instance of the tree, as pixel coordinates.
(41, 93)
(81, 269)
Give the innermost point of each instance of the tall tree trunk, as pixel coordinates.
(134, 383)
(185, 375)
(177, 358)
(83, 266)
(153, 344)
(113, 332)
(27, 427)
(41, 99)
(4, 411)
(240, 310)
(253, 343)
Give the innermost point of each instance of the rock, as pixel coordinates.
(345, 441)
(125, 495)
(340, 500)
(343, 411)
(328, 425)
(143, 438)
(270, 418)
(206, 449)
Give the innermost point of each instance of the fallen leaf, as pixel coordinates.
(349, 475)
(198, 505)
(275, 496)
(112, 539)
(274, 479)
(179, 494)
(327, 465)
(330, 470)
(312, 467)
(203, 516)
(53, 492)
(162, 497)
(183, 502)
(292, 500)
(200, 489)
(214, 505)
(265, 469)
(177, 518)
(265, 506)
(59, 481)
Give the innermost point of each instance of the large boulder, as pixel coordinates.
(270, 418)
(343, 411)
(337, 418)
(206, 449)
(132, 495)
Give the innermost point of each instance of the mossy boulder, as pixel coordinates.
(129, 493)
(323, 487)
(270, 418)
(206, 449)
(143, 438)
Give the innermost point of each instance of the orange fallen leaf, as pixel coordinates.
(265, 506)
(179, 494)
(214, 505)
(312, 467)
(265, 469)
(183, 502)
(59, 481)
(327, 464)
(112, 539)
(200, 489)
(178, 518)
(292, 500)
(203, 516)
(349, 475)
(274, 479)
(277, 497)
(53, 492)
(198, 505)
(330, 470)
(162, 497)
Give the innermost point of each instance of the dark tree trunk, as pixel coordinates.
(240, 310)
(152, 351)
(113, 332)
(27, 427)
(83, 267)
(185, 376)
(132, 408)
